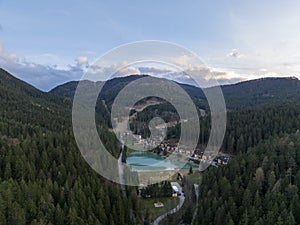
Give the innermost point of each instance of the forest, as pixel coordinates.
(45, 180)
(258, 187)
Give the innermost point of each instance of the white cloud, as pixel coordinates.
(42, 73)
(99, 72)
(48, 59)
(235, 54)
(270, 40)
(152, 70)
(82, 60)
(42, 76)
(123, 69)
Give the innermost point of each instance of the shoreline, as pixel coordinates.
(158, 165)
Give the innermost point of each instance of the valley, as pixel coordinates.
(38, 152)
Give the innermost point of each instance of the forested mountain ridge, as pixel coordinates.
(43, 177)
(269, 107)
(24, 103)
(248, 127)
(13, 88)
(246, 94)
(262, 91)
(260, 187)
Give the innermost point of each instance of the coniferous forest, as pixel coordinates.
(45, 180)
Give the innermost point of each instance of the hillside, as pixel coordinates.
(260, 187)
(43, 177)
(45, 180)
(245, 94)
(24, 103)
(259, 92)
(259, 96)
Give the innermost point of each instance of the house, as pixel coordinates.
(175, 191)
(158, 204)
(172, 147)
(198, 153)
(222, 160)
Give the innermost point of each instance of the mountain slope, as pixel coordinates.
(261, 91)
(241, 95)
(24, 103)
(260, 187)
(43, 177)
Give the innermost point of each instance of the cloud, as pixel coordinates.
(183, 60)
(99, 72)
(201, 76)
(127, 71)
(263, 70)
(42, 76)
(82, 60)
(153, 71)
(235, 54)
(42, 73)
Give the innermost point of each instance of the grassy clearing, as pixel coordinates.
(194, 178)
(169, 203)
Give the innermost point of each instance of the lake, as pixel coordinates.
(147, 161)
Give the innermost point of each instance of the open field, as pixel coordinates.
(169, 203)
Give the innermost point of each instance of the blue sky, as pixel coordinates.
(47, 43)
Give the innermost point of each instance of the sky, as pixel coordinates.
(47, 43)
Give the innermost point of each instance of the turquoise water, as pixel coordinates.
(147, 161)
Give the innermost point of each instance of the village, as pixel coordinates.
(168, 196)
(196, 155)
(166, 148)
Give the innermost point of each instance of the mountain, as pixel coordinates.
(19, 101)
(245, 94)
(260, 187)
(263, 91)
(114, 86)
(43, 177)
(45, 180)
(257, 110)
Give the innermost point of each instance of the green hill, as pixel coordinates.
(45, 180)
(262, 92)
(245, 94)
(43, 177)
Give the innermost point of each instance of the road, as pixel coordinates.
(172, 211)
(121, 172)
(196, 186)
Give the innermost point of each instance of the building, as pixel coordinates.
(158, 204)
(175, 191)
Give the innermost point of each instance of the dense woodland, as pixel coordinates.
(157, 190)
(248, 127)
(259, 187)
(44, 179)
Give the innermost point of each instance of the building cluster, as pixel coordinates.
(196, 155)
(222, 160)
(209, 157)
(173, 148)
